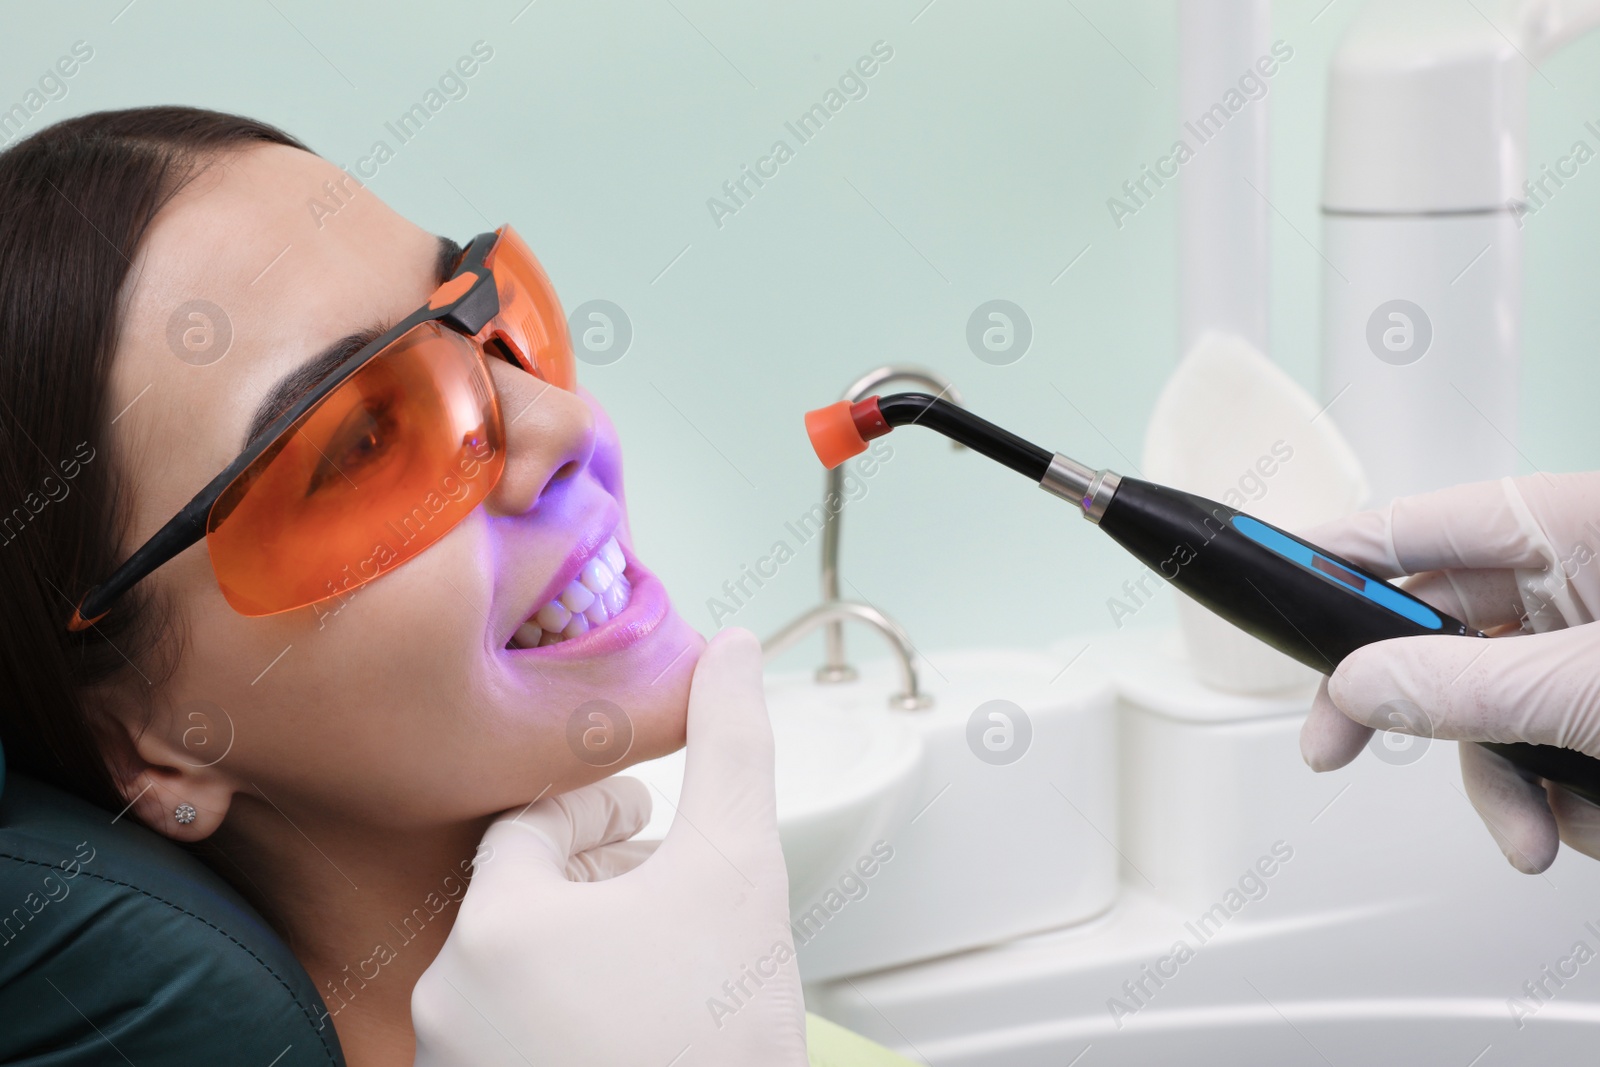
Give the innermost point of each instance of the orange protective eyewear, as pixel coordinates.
(383, 457)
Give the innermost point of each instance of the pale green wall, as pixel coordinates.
(990, 142)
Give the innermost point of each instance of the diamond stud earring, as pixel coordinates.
(184, 813)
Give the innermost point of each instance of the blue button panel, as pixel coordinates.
(1381, 593)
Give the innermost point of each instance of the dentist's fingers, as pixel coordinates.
(1478, 526)
(1329, 738)
(1364, 538)
(608, 861)
(543, 837)
(1574, 495)
(1577, 819)
(728, 793)
(1513, 806)
(1483, 599)
(1538, 688)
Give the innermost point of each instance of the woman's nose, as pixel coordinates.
(550, 437)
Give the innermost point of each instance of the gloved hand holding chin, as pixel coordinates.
(574, 945)
(1520, 560)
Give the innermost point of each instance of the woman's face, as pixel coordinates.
(401, 705)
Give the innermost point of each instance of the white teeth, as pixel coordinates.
(616, 597)
(577, 596)
(553, 616)
(598, 594)
(596, 576)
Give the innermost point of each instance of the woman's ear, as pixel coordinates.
(169, 768)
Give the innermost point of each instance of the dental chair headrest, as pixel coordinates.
(117, 946)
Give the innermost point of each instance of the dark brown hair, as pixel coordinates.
(76, 199)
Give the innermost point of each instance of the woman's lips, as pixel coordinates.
(647, 606)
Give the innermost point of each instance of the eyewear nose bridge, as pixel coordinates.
(473, 290)
(476, 293)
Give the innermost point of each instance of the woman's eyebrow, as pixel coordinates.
(306, 377)
(445, 259)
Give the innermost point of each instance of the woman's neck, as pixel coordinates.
(364, 910)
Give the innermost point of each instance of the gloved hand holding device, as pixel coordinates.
(1514, 554)
(562, 954)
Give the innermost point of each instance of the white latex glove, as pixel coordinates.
(686, 959)
(1519, 554)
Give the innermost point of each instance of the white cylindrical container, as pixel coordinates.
(1420, 328)
(1424, 180)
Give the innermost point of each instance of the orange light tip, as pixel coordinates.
(834, 434)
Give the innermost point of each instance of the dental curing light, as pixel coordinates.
(1307, 603)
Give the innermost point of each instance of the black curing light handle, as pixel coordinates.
(1307, 603)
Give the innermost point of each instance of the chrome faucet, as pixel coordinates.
(834, 609)
(834, 668)
(832, 613)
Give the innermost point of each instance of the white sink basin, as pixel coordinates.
(842, 779)
(998, 842)
(905, 837)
